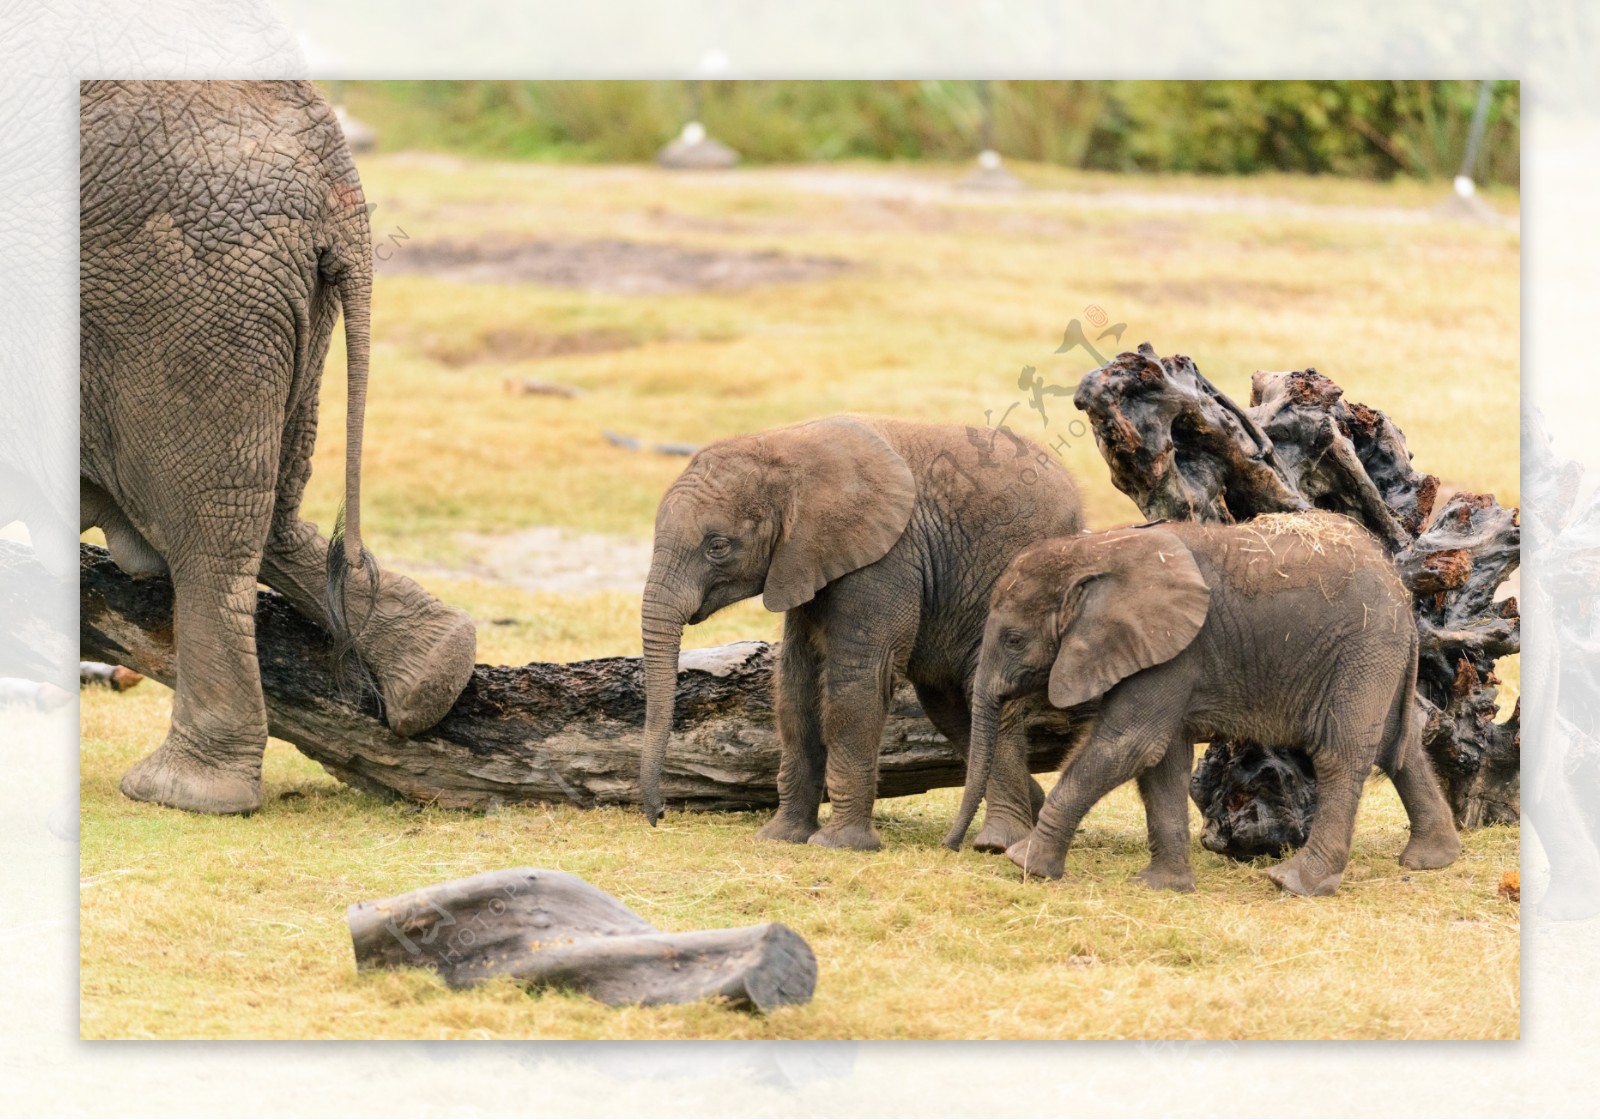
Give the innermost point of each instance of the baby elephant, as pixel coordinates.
(880, 540)
(1290, 629)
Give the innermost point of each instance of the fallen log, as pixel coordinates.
(549, 929)
(552, 733)
(1181, 449)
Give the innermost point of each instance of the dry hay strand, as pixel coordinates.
(1318, 530)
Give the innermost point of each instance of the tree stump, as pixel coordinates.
(549, 929)
(539, 733)
(1182, 450)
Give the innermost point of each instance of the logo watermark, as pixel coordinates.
(1038, 390)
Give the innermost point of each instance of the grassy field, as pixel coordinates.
(199, 927)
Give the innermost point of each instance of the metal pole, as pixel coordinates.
(986, 127)
(1480, 119)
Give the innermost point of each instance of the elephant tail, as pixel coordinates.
(1405, 719)
(346, 555)
(355, 297)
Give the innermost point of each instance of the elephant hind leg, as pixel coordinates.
(1318, 868)
(210, 761)
(1164, 789)
(1434, 841)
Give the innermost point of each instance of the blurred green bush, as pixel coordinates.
(1365, 129)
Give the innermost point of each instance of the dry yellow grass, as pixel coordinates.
(197, 927)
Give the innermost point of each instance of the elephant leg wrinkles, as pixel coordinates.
(1138, 725)
(1434, 841)
(211, 758)
(1318, 868)
(1164, 788)
(798, 704)
(854, 709)
(864, 635)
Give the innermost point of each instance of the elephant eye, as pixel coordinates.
(1014, 639)
(717, 548)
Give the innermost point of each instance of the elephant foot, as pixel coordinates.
(999, 834)
(1167, 877)
(1293, 877)
(1035, 858)
(177, 777)
(857, 837)
(422, 678)
(788, 830)
(1428, 852)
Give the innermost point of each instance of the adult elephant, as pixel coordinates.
(222, 229)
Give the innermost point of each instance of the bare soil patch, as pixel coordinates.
(549, 558)
(1212, 291)
(515, 344)
(616, 267)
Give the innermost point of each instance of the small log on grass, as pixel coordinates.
(549, 929)
(554, 733)
(1181, 449)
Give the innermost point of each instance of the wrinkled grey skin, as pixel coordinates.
(1291, 629)
(222, 229)
(880, 541)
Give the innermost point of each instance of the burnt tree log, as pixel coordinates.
(1182, 450)
(549, 929)
(538, 733)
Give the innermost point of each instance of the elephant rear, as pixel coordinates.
(1315, 644)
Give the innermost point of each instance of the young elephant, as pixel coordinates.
(1291, 629)
(880, 541)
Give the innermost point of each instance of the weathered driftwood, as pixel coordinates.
(1177, 446)
(533, 733)
(550, 929)
(1181, 449)
(1454, 568)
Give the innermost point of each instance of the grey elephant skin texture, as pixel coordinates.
(223, 229)
(880, 541)
(1290, 628)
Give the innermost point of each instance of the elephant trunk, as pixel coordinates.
(980, 759)
(664, 616)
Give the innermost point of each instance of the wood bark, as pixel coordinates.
(544, 732)
(549, 929)
(1181, 449)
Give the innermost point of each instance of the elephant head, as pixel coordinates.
(1077, 615)
(779, 513)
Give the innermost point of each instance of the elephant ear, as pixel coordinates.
(1136, 600)
(850, 498)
